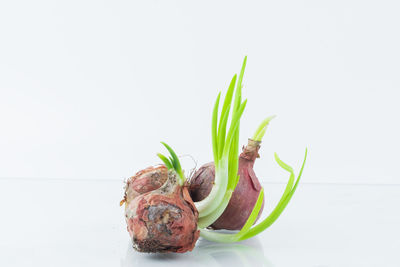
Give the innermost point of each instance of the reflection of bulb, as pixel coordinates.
(163, 220)
(246, 253)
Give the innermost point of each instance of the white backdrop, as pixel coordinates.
(89, 88)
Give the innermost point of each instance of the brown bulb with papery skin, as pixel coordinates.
(243, 198)
(144, 181)
(162, 220)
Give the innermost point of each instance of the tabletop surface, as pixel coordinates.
(53, 222)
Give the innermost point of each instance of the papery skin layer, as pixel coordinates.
(163, 220)
(144, 181)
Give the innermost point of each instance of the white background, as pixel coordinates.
(89, 88)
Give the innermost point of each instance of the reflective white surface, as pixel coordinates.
(80, 223)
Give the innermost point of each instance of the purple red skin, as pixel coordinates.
(243, 198)
(201, 182)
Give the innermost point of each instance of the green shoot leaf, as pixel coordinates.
(225, 114)
(259, 134)
(166, 161)
(214, 125)
(173, 163)
(222, 132)
(234, 124)
(238, 95)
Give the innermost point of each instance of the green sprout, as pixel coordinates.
(172, 163)
(225, 145)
